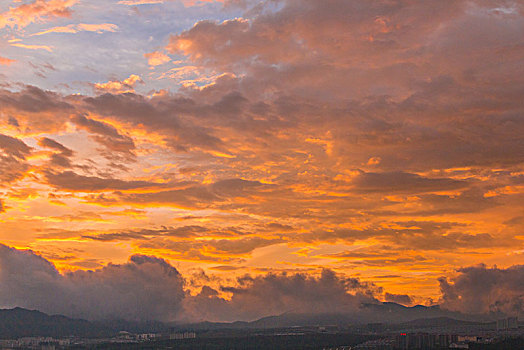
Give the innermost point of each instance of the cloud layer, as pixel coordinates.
(379, 139)
(149, 288)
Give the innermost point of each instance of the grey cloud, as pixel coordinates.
(403, 182)
(480, 289)
(106, 135)
(50, 143)
(28, 280)
(13, 154)
(403, 299)
(217, 250)
(71, 181)
(149, 288)
(274, 294)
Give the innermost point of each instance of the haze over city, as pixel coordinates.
(190, 160)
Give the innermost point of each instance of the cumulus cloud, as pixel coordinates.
(480, 289)
(403, 299)
(274, 294)
(62, 155)
(144, 288)
(106, 134)
(71, 181)
(148, 288)
(349, 123)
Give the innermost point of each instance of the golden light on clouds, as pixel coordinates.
(306, 139)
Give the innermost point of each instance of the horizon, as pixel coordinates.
(229, 160)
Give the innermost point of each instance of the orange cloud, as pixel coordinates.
(34, 47)
(6, 61)
(126, 85)
(38, 10)
(157, 58)
(81, 27)
(398, 156)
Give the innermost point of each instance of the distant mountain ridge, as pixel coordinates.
(387, 313)
(19, 322)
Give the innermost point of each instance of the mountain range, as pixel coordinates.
(19, 322)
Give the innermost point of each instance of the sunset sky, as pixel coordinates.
(370, 148)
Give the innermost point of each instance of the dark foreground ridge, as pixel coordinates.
(18, 322)
(31, 329)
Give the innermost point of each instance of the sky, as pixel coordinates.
(234, 159)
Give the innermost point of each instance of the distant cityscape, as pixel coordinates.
(506, 333)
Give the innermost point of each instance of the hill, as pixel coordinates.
(19, 322)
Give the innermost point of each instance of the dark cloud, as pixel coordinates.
(178, 232)
(70, 181)
(13, 153)
(274, 294)
(28, 280)
(50, 143)
(216, 250)
(34, 100)
(62, 158)
(106, 135)
(14, 147)
(403, 182)
(160, 115)
(149, 288)
(221, 192)
(480, 289)
(145, 288)
(399, 298)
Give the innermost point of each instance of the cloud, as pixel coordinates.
(353, 125)
(190, 195)
(81, 27)
(398, 298)
(70, 181)
(157, 58)
(118, 87)
(13, 164)
(149, 288)
(30, 281)
(38, 10)
(480, 289)
(63, 156)
(50, 143)
(106, 135)
(6, 61)
(34, 47)
(140, 2)
(14, 147)
(403, 182)
(274, 294)
(34, 100)
(144, 288)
